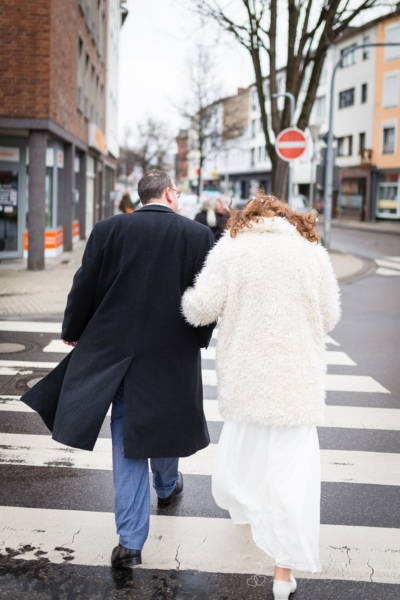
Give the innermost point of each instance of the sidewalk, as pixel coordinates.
(25, 292)
(32, 293)
(376, 226)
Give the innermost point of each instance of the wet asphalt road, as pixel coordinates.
(368, 333)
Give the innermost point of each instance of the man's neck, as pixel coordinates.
(159, 202)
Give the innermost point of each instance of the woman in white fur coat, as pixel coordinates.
(272, 287)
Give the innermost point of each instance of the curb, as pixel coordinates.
(369, 267)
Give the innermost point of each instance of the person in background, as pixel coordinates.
(215, 215)
(222, 214)
(126, 204)
(272, 287)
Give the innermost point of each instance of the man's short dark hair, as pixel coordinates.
(153, 184)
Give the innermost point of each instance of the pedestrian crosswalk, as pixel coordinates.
(203, 542)
(388, 266)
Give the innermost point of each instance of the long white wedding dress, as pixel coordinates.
(270, 478)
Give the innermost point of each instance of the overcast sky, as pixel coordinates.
(157, 39)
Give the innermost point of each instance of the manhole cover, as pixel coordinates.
(33, 382)
(8, 348)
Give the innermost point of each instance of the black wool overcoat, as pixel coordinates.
(124, 311)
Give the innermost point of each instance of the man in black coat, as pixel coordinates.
(134, 350)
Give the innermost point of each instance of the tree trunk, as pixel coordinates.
(280, 174)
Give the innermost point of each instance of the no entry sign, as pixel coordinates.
(290, 144)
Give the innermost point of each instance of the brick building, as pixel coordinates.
(58, 119)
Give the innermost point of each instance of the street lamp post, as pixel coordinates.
(292, 109)
(329, 152)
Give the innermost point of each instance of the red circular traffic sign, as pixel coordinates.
(290, 144)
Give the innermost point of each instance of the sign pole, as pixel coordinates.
(292, 109)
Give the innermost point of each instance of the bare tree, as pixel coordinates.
(312, 27)
(202, 107)
(150, 148)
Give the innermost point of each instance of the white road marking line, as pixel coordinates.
(28, 363)
(387, 263)
(332, 357)
(333, 383)
(11, 371)
(57, 346)
(215, 334)
(30, 326)
(375, 468)
(387, 272)
(339, 358)
(347, 417)
(353, 383)
(204, 544)
(394, 258)
(330, 340)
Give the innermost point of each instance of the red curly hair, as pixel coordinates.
(266, 205)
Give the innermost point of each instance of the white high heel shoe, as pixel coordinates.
(282, 589)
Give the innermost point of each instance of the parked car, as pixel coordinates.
(300, 203)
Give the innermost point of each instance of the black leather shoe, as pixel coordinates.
(123, 557)
(163, 502)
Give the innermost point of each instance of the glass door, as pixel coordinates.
(10, 243)
(388, 205)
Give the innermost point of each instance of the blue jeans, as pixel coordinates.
(131, 483)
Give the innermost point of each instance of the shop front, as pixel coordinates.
(14, 195)
(353, 199)
(388, 192)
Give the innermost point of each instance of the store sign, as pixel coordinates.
(60, 159)
(97, 139)
(350, 187)
(9, 154)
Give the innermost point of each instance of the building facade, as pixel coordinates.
(386, 130)
(58, 145)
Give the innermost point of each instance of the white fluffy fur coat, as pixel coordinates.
(277, 297)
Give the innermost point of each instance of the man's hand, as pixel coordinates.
(73, 344)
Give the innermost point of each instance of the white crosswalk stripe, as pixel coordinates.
(388, 266)
(333, 383)
(208, 544)
(375, 468)
(350, 417)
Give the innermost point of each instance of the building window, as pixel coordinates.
(366, 40)
(392, 37)
(345, 146)
(253, 157)
(253, 128)
(390, 90)
(320, 108)
(88, 13)
(79, 73)
(260, 154)
(346, 98)
(87, 85)
(350, 58)
(364, 93)
(388, 140)
(361, 142)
